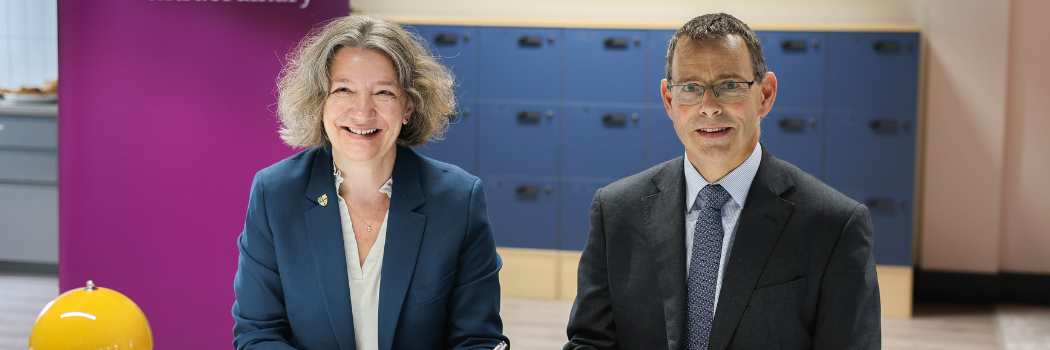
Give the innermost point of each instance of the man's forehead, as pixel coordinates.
(727, 55)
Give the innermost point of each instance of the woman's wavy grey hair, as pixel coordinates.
(304, 83)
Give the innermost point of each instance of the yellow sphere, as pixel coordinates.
(91, 318)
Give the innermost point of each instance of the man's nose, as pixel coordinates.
(709, 105)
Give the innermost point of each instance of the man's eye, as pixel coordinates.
(689, 88)
(731, 86)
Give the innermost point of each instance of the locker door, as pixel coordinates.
(519, 139)
(658, 40)
(795, 138)
(797, 59)
(605, 65)
(873, 72)
(662, 141)
(523, 211)
(576, 204)
(519, 63)
(460, 144)
(873, 150)
(456, 47)
(891, 218)
(603, 141)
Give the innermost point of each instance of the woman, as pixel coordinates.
(358, 242)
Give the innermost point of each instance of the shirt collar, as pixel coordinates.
(737, 182)
(387, 187)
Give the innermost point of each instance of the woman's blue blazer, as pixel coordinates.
(440, 283)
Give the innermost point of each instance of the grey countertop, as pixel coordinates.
(28, 109)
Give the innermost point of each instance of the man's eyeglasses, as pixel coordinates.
(728, 92)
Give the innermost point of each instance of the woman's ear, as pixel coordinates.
(410, 108)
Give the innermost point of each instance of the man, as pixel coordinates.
(727, 247)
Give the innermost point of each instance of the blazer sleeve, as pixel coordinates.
(259, 314)
(849, 311)
(474, 301)
(591, 324)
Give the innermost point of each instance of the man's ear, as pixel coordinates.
(666, 95)
(769, 93)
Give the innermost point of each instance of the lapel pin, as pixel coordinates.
(323, 200)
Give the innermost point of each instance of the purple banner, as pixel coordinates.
(165, 114)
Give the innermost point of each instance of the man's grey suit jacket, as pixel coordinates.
(800, 274)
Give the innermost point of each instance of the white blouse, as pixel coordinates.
(364, 278)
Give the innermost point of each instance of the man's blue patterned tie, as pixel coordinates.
(703, 267)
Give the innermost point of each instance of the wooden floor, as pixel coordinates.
(539, 324)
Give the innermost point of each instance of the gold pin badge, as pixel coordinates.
(323, 200)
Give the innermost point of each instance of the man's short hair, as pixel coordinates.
(718, 26)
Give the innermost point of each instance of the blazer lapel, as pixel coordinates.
(324, 230)
(404, 235)
(761, 222)
(664, 219)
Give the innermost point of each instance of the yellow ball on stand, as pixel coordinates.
(91, 318)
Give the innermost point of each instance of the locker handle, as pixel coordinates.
(793, 45)
(884, 125)
(446, 38)
(796, 123)
(529, 190)
(886, 45)
(529, 116)
(881, 203)
(612, 118)
(530, 40)
(616, 43)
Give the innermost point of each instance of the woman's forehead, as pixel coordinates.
(351, 62)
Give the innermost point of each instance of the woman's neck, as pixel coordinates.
(362, 180)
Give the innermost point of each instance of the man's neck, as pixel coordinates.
(712, 172)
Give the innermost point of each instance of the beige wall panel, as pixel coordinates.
(965, 116)
(528, 273)
(680, 11)
(569, 263)
(1026, 172)
(895, 290)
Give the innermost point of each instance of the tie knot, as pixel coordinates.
(714, 196)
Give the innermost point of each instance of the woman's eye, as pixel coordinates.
(384, 92)
(342, 89)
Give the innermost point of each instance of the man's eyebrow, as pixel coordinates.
(722, 76)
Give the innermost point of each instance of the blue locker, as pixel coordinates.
(662, 143)
(456, 48)
(605, 65)
(873, 72)
(519, 63)
(460, 144)
(658, 41)
(891, 218)
(871, 150)
(575, 208)
(795, 138)
(523, 211)
(797, 59)
(519, 139)
(601, 141)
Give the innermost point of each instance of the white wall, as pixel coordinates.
(786, 11)
(1025, 244)
(28, 42)
(966, 77)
